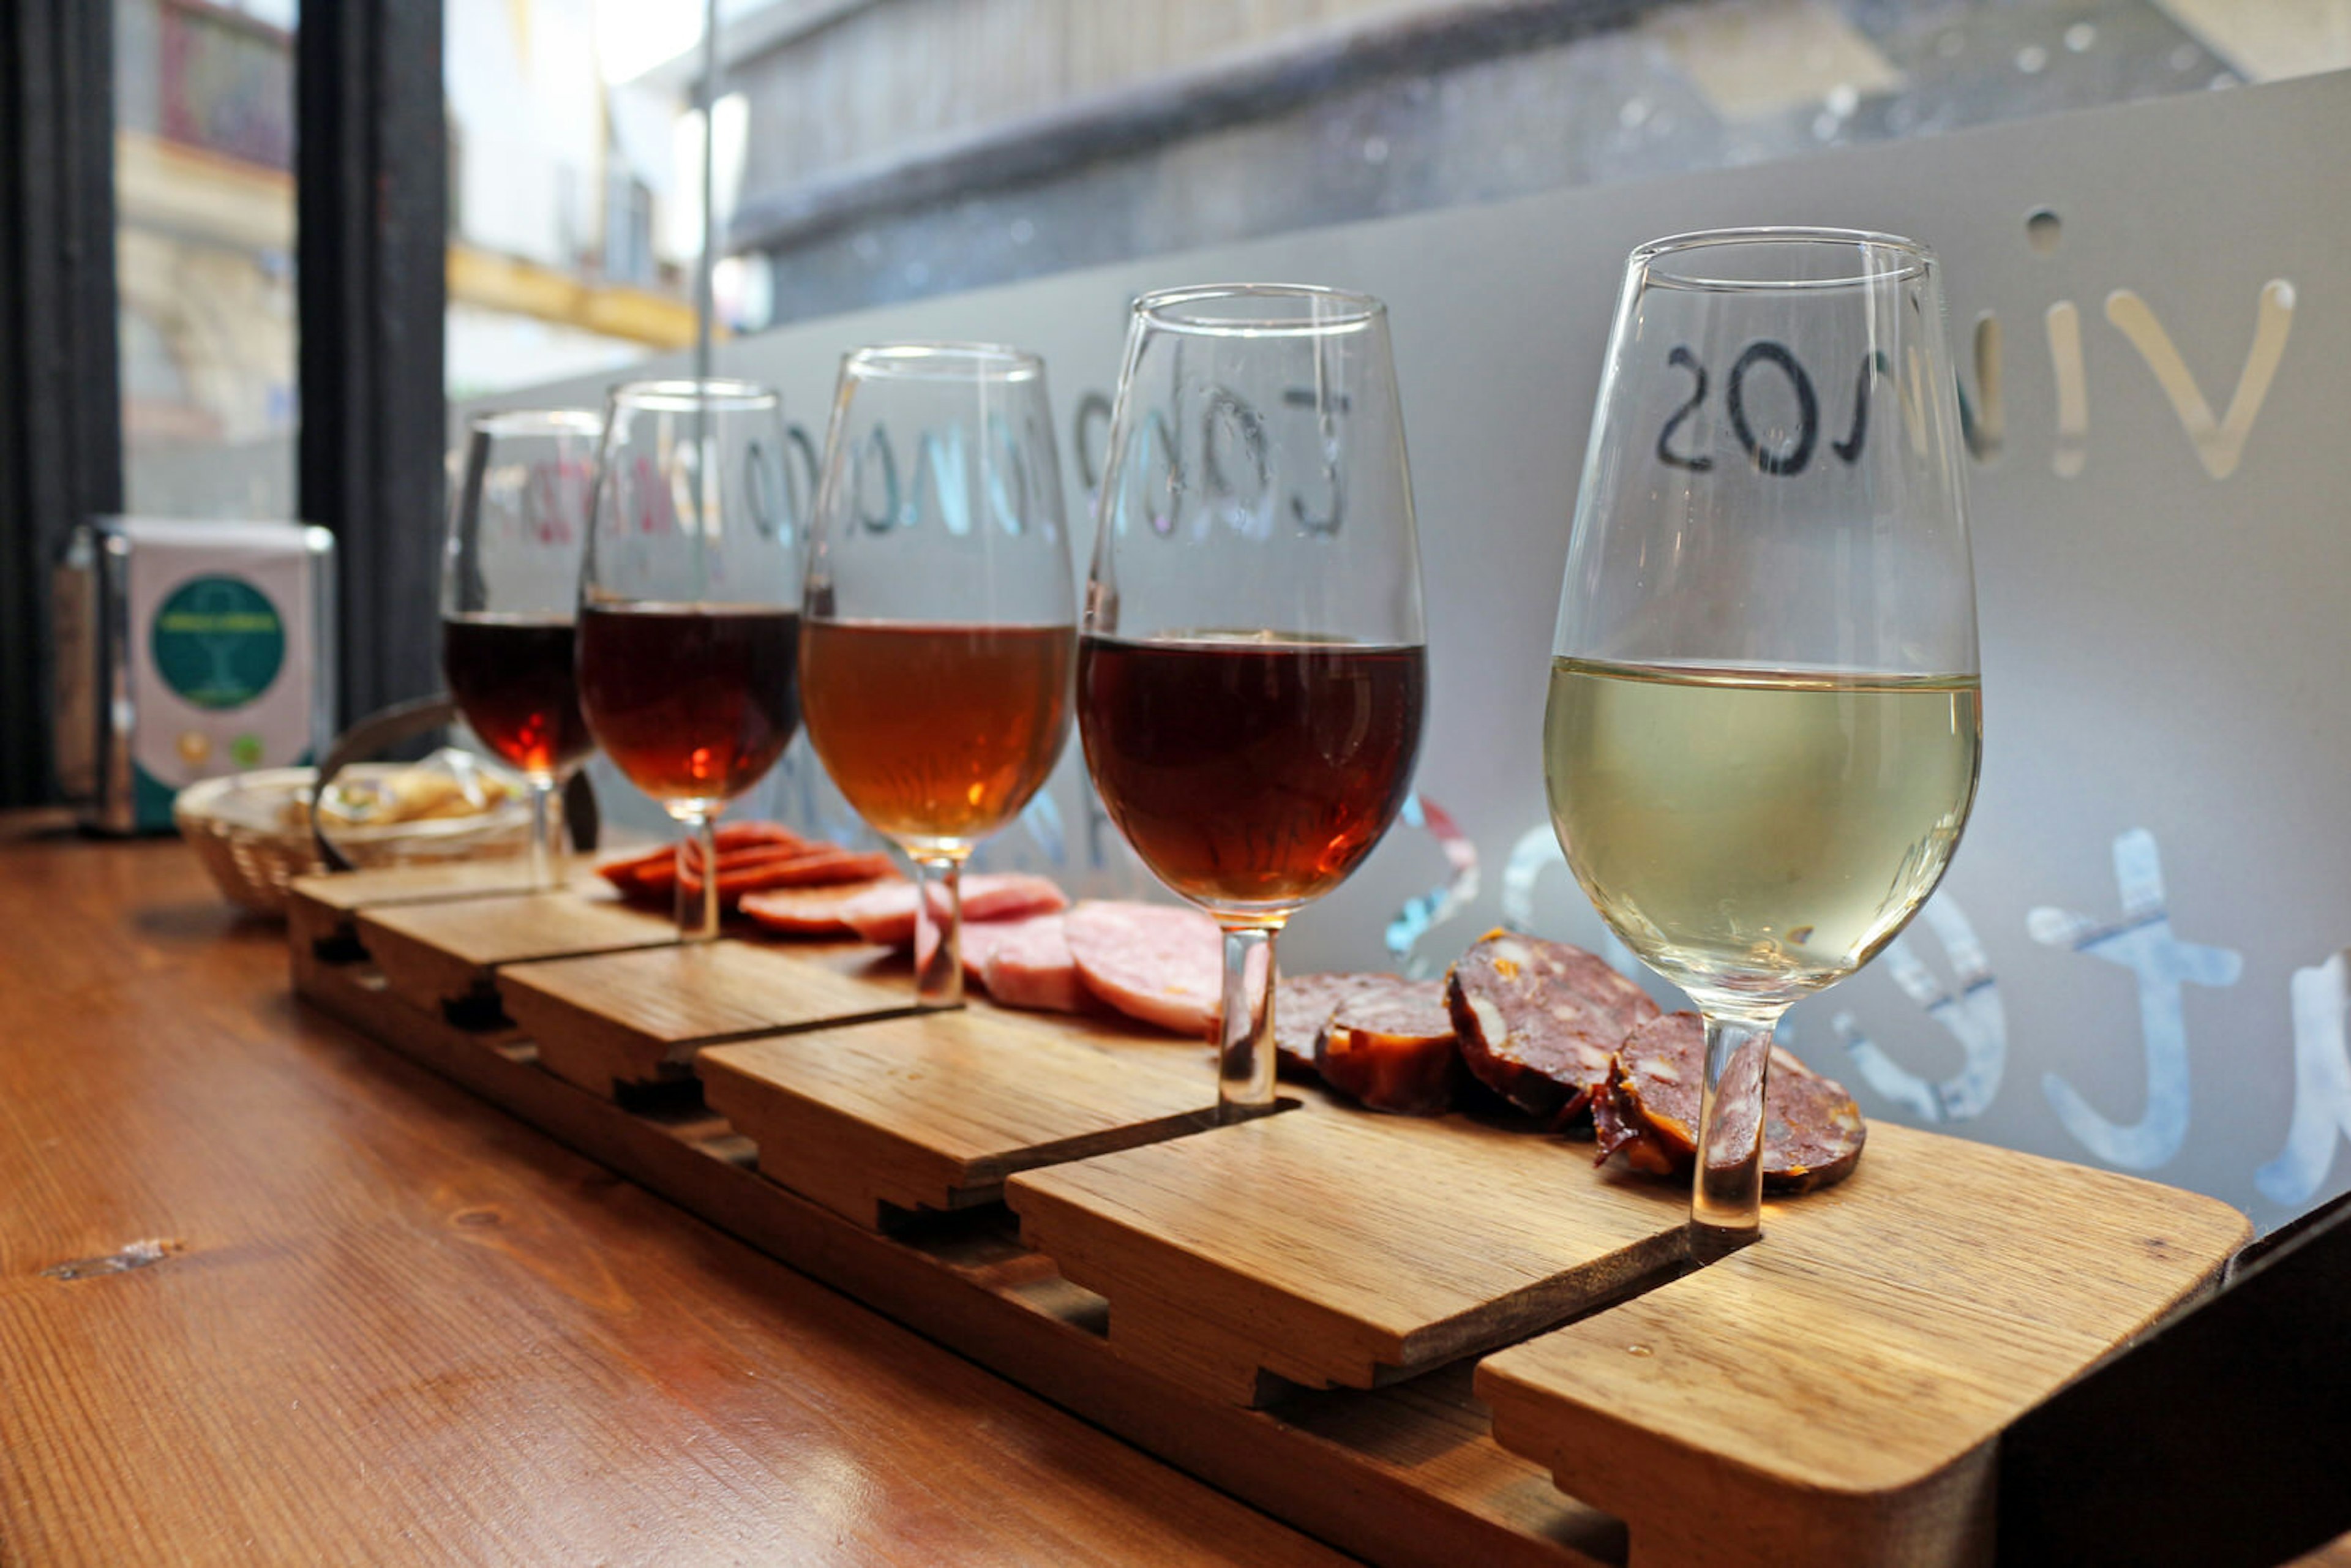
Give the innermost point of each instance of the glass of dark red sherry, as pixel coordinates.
(1252, 662)
(940, 620)
(689, 608)
(510, 597)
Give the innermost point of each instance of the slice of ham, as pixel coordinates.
(811, 911)
(886, 915)
(1027, 963)
(1151, 961)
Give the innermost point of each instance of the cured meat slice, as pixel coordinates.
(1152, 961)
(1028, 964)
(1393, 1047)
(654, 872)
(1812, 1131)
(1302, 1004)
(810, 910)
(1540, 1021)
(981, 937)
(886, 915)
(815, 866)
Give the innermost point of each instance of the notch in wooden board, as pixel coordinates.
(1344, 1248)
(935, 1112)
(640, 1016)
(444, 954)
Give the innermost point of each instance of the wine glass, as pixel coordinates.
(689, 608)
(1251, 666)
(1763, 729)
(940, 618)
(510, 595)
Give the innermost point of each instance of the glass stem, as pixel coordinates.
(697, 909)
(1727, 1194)
(1245, 1035)
(939, 932)
(546, 832)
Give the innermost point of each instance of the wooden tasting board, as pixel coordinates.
(611, 1022)
(933, 1112)
(447, 954)
(1831, 1395)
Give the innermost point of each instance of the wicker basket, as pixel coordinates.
(238, 827)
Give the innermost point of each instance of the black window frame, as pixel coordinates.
(371, 196)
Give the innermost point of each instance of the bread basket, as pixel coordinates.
(255, 846)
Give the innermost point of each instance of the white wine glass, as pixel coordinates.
(1763, 730)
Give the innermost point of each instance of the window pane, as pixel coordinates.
(204, 190)
(575, 195)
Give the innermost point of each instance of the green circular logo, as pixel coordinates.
(218, 641)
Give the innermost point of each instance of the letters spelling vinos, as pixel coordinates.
(1796, 454)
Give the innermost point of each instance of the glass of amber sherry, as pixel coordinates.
(689, 608)
(939, 617)
(1252, 666)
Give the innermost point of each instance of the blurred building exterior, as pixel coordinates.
(871, 151)
(900, 148)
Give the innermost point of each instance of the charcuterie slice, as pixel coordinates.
(1812, 1131)
(1392, 1047)
(886, 915)
(1151, 961)
(1027, 963)
(1539, 1021)
(1302, 1004)
(811, 911)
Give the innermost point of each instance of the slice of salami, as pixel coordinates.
(1539, 1021)
(1812, 1131)
(1393, 1047)
(1302, 1004)
(886, 915)
(1152, 961)
(810, 910)
(1615, 1125)
(1027, 963)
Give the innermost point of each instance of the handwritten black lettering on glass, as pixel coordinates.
(875, 450)
(1696, 461)
(1791, 459)
(763, 484)
(1230, 418)
(1873, 364)
(1092, 408)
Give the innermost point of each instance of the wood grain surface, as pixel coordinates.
(1342, 1246)
(639, 1017)
(1839, 1385)
(446, 952)
(1407, 1477)
(386, 1322)
(933, 1112)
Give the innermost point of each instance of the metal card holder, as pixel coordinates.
(2218, 1441)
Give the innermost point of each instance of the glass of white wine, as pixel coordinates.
(1763, 729)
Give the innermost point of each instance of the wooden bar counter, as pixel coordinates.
(270, 1294)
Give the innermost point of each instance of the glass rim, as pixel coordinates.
(1916, 258)
(1326, 309)
(536, 422)
(688, 394)
(929, 360)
